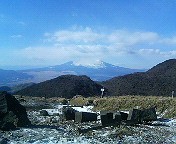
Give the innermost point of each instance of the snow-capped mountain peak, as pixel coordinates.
(96, 64)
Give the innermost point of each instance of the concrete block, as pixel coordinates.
(134, 116)
(117, 117)
(68, 113)
(85, 117)
(107, 118)
(124, 116)
(148, 115)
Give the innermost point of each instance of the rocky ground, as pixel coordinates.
(51, 129)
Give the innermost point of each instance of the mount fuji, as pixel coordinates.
(99, 71)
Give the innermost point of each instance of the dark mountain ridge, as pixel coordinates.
(63, 86)
(158, 81)
(167, 67)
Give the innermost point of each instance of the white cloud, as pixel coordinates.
(126, 38)
(86, 35)
(87, 45)
(16, 36)
(118, 37)
(43, 53)
(149, 51)
(61, 52)
(170, 41)
(157, 52)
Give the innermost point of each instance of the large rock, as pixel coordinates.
(3, 104)
(12, 113)
(8, 121)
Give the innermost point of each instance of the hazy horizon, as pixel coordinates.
(25, 67)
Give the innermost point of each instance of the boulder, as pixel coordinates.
(12, 113)
(3, 104)
(9, 121)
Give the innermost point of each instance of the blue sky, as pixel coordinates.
(134, 34)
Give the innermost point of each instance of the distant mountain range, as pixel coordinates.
(100, 71)
(158, 81)
(11, 77)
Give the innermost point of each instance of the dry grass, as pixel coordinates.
(164, 105)
(79, 101)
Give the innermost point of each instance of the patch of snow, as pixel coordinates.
(173, 139)
(80, 109)
(65, 133)
(132, 140)
(95, 64)
(172, 122)
(166, 122)
(125, 112)
(59, 109)
(84, 109)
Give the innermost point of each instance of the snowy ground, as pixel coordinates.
(51, 130)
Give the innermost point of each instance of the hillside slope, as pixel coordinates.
(63, 86)
(159, 81)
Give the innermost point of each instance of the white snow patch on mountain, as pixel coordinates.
(93, 64)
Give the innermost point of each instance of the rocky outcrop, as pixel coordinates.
(12, 113)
